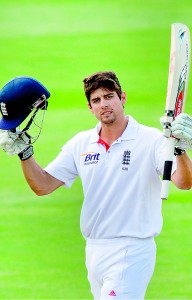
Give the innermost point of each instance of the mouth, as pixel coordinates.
(106, 113)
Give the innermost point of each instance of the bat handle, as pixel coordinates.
(167, 168)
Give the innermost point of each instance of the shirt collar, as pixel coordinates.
(95, 135)
(129, 133)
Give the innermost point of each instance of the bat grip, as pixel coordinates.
(167, 167)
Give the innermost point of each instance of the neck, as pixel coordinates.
(110, 132)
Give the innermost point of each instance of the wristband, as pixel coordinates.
(26, 153)
(178, 151)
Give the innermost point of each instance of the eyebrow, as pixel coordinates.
(107, 94)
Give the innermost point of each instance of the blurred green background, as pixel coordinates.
(59, 43)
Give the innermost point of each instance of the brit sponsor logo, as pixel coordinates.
(4, 109)
(91, 158)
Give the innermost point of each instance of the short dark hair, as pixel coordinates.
(107, 80)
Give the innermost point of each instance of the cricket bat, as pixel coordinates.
(179, 69)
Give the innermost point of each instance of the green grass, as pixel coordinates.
(60, 42)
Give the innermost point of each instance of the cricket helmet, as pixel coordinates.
(18, 98)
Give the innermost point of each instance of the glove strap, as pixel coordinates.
(178, 151)
(26, 153)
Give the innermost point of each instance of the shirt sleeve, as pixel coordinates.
(63, 167)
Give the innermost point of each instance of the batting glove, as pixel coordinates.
(181, 129)
(16, 143)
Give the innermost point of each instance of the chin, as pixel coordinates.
(108, 121)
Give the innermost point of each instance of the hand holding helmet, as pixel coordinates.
(16, 143)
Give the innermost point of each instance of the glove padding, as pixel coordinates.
(14, 142)
(181, 129)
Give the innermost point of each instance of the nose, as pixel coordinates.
(104, 102)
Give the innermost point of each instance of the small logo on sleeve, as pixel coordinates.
(91, 158)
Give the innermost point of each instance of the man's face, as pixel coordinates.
(106, 105)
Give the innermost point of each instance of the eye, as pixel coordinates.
(95, 101)
(109, 96)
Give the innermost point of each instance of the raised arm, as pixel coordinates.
(182, 177)
(38, 179)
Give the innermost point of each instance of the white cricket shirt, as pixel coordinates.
(121, 186)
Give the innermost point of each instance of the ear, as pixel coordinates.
(123, 98)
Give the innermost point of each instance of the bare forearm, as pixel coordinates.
(182, 177)
(38, 179)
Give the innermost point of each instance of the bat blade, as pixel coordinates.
(179, 69)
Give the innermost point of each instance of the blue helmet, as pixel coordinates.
(17, 99)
